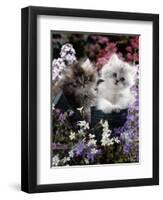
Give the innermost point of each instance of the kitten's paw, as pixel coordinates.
(117, 110)
(104, 109)
(107, 110)
(104, 106)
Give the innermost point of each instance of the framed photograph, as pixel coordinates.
(90, 99)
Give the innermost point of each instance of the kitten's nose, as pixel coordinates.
(116, 82)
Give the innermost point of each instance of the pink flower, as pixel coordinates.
(103, 40)
(135, 42)
(92, 47)
(129, 49)
(135, 57)
(129, 56)
(120, 55)
(101, 61)
(111, 47)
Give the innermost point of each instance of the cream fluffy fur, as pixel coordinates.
(114, 93)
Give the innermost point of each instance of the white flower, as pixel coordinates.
(70, 59)
(86, 126)
(110, 141)
(71, 154)
(58, 66)
(106, 131)
(68, 53)
(104, 123)
(81, 132)
(65, 159)
(56, 74)
(68, 48)
(105, 126)
(80, 109)
(53, 106)
(94, 151)
(83, 124)
(92, 142)
(55, 160)
(116, 140)
(106, 134)
(126, 137)
(58, 63)
(91, 136)
(67, 58)
(86, 161)
(72, 135)
(107, 141)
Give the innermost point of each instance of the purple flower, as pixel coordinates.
(71, 113)
(58, 67)
(68, 54)
(90, 156)
(131, 117)
(92, 153)
(129, 133)
(62, 117)
(126, 148)
(57, 146)
(56, 111)
(103, 40)
(79, 148)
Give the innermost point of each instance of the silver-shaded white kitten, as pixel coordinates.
(114, 92)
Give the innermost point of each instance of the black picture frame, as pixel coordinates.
(29, 99)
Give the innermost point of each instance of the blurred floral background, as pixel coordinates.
(76, 143)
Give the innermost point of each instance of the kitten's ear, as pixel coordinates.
(87, 64)
(69, 74)
(74, 69)
(114, 59)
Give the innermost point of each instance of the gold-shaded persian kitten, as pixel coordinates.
(78, 85)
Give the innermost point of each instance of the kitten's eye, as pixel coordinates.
(114, 75)
(86, 78)
(74, 84)
(122, 79)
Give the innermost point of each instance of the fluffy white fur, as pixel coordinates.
(114, 93)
